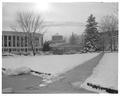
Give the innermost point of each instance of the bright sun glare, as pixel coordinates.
(42, 6)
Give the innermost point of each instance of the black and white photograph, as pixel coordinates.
(59, 47)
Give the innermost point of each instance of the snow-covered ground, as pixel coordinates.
(54, 64)
(105, 74)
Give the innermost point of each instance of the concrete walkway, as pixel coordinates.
(80, 73)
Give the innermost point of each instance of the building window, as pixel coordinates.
(22, 49)
(2, 41)
(26, 41)
(5, 41)
(36, 41)
(9, 50)
(18, 41)
(13, 41)
(9, 41)
(21, 41)
(25, 49)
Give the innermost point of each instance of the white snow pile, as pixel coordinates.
(105, 75)
(54, 64)
(17, 71)
(47, 78)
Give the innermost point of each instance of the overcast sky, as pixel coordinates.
(76, 13)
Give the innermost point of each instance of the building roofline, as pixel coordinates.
(19, 32)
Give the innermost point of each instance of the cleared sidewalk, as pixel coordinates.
(79, 73)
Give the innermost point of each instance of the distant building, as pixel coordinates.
(18, 42)
(57, 39)
(62, 45)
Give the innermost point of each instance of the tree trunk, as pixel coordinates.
(33, 50)
(110, 34)
(103, 45)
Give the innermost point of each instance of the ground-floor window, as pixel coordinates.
(26, 50)
(5, 49)
(22, 49)
(9, 50)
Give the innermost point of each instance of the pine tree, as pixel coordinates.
(46, 46)
(91, 35)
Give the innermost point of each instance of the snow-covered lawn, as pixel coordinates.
(54, 64)
(105, 74)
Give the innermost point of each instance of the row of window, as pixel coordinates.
(17, 41)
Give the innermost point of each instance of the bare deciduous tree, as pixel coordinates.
(109, 24)
(28, 22)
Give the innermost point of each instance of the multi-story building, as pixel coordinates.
(57, 39)
(18, 42)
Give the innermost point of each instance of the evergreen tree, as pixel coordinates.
(46, 46)
(91, 35)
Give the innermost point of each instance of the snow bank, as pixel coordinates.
(105, 74)
(48, 64)
(17, 71)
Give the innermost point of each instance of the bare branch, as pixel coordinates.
(30, 23)
(14, 28)
(109, 23)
